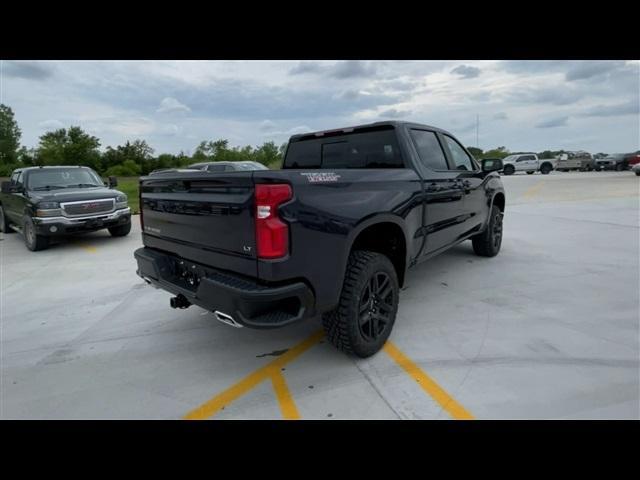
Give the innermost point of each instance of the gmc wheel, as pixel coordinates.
(4, 223)
(368, 305)
(32, 240)
(120, 230)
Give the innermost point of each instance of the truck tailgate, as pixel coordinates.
(203, 217)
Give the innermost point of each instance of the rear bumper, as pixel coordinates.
(249, 303)
(50, 226)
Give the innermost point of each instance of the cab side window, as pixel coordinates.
(429, 149)
(461, 160)
(20, 179)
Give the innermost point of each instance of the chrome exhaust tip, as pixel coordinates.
(228, 319)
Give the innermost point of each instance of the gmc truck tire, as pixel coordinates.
(4, 224)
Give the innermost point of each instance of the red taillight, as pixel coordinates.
(272, 234)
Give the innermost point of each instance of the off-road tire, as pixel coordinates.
(346, 325)
(545, 169)
(4, 222)
(33, 241)
(120, 230)
(487, 243)
(509, 170)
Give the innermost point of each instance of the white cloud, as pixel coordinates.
(51, 124)
(249, 102)
(171, 105)
(267, 125)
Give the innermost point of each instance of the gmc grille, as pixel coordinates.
(90, 207)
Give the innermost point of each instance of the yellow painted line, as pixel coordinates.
(287, 405)
(445, 400)
(533, 190)
(212, 406)
(89, 249)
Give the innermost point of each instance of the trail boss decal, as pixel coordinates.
(318, 177)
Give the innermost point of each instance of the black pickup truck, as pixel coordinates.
(332, 233)
(45, 202)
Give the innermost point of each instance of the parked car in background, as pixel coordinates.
(242, 166)
(43, 202)
(526, 162)
(613, 162)
(579, 160)
(228, 166)
(632, 159)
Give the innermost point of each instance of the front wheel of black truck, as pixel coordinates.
(365, 315)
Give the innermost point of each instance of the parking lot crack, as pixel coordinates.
(377, 390)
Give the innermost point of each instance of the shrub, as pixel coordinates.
(128, 168)
(7, 168)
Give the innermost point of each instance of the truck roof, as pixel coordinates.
(390, 123)
(48, 166)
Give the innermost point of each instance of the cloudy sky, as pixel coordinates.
(523, 105)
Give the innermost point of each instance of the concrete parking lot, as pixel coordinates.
(547, 329)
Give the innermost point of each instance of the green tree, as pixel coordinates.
(128, 168)
(139, 152)
(267, 154)
(28, 157)
(9, 136)
(500, 152)
(476, 152)
(69, 147)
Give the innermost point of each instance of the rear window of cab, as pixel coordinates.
(365, 149)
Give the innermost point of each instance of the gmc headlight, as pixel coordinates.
(48, 209)
(121, 201)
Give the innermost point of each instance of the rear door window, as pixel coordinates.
(429, 149)
(461, 160)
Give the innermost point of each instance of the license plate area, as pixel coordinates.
(186, 274)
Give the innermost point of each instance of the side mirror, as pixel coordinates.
(6, 187)
(491, 165)
(113, 182)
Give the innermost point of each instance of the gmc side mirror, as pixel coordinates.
(113, 182)
(5, 187)
(491, 165)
